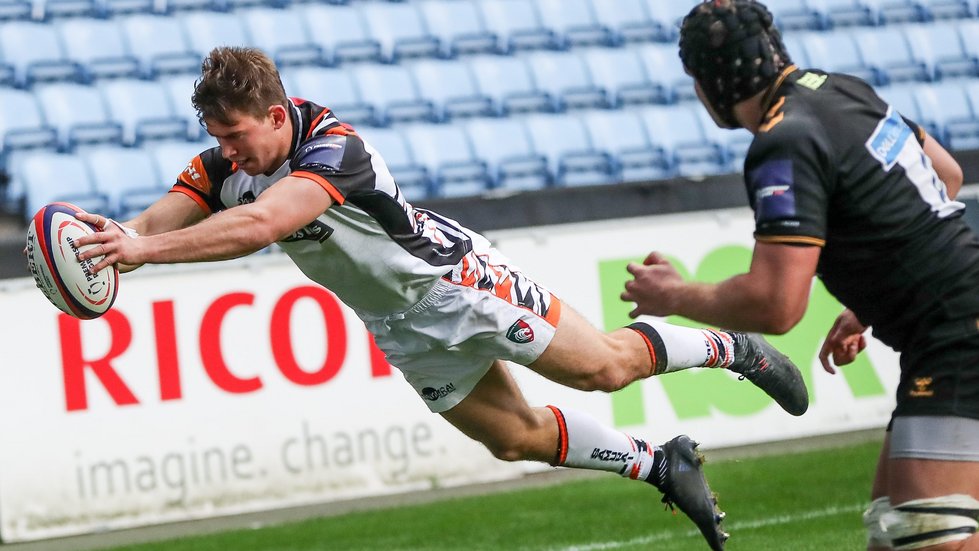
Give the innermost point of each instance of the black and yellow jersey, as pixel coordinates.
(834, 166)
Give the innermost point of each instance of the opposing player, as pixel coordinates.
(445, 307)
(842, 186)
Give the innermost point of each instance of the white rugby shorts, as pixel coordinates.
(480, 312)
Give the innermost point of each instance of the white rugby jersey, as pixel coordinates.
(375, 251)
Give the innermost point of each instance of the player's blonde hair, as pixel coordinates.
(235, 79)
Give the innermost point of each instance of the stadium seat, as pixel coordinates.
(354, 44)
(888, 52)
(35, 52)
(668, 15)
(517, 24)
(508, 81)
(127, 176)
(968, 31)
(947, 107)
(22, 123)
(901, 97)
(445, 151)
(47, 177)
(793, 15)
(458, 26)
(330, 87)
(450, 86)
(171, 157)
(629, 21)
(836, 51)
(391, 91)
(678, 131)
(663, 66)
(179, 89)
(174, 7)
(733, 143)
(15, 10)
(624, 136)
(947, 9)
(940, 47)
(621, 73)
(797, 50)
(400, 31)
(48, 10)
(115, 8)
(505, 146)
(158, 42)
(575, 22)
(143, 109)
(98, 44)
(78, 113)
(572, 158)
(845, 13)
(208, 30)
(282, 34)
(411, 177)
(565, 77)
(891, 12)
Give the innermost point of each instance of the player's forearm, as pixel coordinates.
(229, 234)
(738, 304)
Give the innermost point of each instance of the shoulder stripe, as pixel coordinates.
(193, 193)
(323, 182)
(791, 240)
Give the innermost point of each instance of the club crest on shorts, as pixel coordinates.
(520, 332)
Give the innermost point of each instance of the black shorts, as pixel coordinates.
(940, 371)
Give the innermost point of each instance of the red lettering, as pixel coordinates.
(167, 363)
(210, 345)
(73, 362)
(280, 331)
(379, 362)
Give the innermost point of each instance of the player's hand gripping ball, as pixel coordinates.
(51, 258)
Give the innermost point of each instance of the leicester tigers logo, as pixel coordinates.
(520, 332)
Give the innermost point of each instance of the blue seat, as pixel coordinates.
(891, 12)
(664, 67)
(624, 136)
(78, 113)
(836, 51)
(517, 24)
(22, 123)
(333, 87)
(175, 7)
(47, 177)
(888, 52)
(575, 22)
(143, 109)
(797, 50)
(354, 44)
(668, 15)
(504, 144)
(947, 106)
(948, 9)
(444, 149)
(795, 15)
(458, 26)
(629, 21)
(48, 10)
(411, 177)
(35, 52)
(126, 176)
(158, 42)
(208, 30)
(941, 48)
(171, 157)
(968, 31)
(450, 86)
(572, 158)
(179, 89)
(733, 143)
(901, 97)
(99, 45)
(15, 10)
(565, 77)
(621, 73)
(115, 8)
(845, 13)
(678, 131)
(390, 89)
(282, 34)
(508, 81)
(400, 30)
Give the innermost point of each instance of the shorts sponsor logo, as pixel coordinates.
(520, 332)
(922, 388)
(432, 394)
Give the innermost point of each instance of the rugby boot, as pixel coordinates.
(771, 371)
(683, 484)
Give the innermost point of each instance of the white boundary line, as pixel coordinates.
(732, 527)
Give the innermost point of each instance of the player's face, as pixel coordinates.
(253, 143)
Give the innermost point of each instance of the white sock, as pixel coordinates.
(585, 443)
(674, 348)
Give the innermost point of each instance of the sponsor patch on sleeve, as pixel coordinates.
(324, 152)
(772, 190)
(888, 139)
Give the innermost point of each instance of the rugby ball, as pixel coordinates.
(67, 283)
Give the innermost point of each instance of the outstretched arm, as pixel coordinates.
(945, 166)
(285, 207)
(770, 298)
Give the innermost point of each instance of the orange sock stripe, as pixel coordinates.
(562, 437)
(649, 347)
